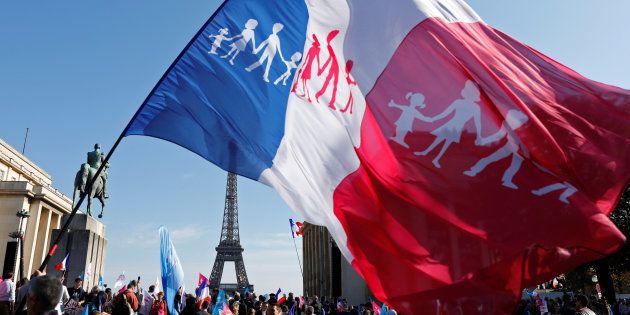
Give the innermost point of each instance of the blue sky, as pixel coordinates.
(74, 72)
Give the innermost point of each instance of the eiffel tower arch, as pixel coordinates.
(229, 248)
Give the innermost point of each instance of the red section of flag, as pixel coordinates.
(486, 167)
(62, 264)
(282, 299)
(298, 230)
(202, 279)
(376, 308)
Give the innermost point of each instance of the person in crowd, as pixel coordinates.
(251, 311)
(274, 309)
(190, 307)
(126, 300)
(581, 303)
(147, 301)
(20, 301)
(309, 310)
(204, 308)
(43, 295)
(235, 308)
(7, 294)
(159, 305)
(108, 300)
(317, 306)
(139, 293)
(65, 296)
(76, 292)
(20, 283)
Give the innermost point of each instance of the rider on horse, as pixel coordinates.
(94, 160)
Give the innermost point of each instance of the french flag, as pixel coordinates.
(427, 142)
(61, 266)
(202, 287)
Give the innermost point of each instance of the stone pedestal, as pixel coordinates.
(86, 244)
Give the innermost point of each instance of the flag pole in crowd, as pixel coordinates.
(299, 233)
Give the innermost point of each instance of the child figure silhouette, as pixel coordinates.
(217, 40)
(404, 123)
(291, 64)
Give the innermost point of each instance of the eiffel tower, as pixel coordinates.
(230, 248)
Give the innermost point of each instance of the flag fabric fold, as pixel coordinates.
(430, 149)
(171, 269)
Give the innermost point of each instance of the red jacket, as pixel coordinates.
(131, 299)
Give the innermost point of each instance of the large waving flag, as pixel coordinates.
(428, 143)
(172, 273)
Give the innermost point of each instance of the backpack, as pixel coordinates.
(122, 306)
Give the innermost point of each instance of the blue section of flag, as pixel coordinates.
(292, 227)
(172, 273)
(100, 280)
(81, 275)
(218, 307)
(228, 115)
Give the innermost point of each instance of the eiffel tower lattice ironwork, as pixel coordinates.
(230, 248)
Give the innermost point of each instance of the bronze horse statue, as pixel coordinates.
(83, 177)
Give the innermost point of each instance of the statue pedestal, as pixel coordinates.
(86, 244)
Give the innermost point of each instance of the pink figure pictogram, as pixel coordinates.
(350, 82)
(333, 71)
(304, 74)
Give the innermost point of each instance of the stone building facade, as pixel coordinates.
(326, 272)
(26, 188)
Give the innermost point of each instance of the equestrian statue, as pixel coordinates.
(85, 175)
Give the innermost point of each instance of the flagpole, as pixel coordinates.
(298, 257)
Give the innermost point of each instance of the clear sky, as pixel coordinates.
(75, 71)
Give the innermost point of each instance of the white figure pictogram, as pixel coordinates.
(216, 44)
(463, 110)
(291, 64)
(244, 38)
(567, 190)
(408, 115)
(271, 46)
(514, 119)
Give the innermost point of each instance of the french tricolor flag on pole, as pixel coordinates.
(428, 143)
(61, 266)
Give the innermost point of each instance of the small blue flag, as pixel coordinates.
(246, 291)
(172, 273)
(81, 275)
(100, 281)
(218, 307)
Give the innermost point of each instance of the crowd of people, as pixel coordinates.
(572, 305)
(46, 295)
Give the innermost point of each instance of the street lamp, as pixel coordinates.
(19, 236)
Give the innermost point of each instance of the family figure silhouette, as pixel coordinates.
(269, 47)
(461, 111)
